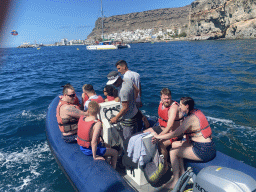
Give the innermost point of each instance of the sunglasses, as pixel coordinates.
(73, 95)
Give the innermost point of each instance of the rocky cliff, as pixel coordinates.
(155, 19)
(203, 19)
(231, 19)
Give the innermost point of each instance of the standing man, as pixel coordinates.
(88, 89)
(129, 111)
(68, 114)
(122, 68)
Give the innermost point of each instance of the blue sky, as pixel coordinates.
(48, 21)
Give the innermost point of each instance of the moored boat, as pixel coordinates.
(108, 45)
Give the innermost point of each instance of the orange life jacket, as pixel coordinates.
(66, 124)
(84, 130)
(205, 128)
(163, 114)
(76, 102)
(85, 99)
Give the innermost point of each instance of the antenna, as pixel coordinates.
(102, 20)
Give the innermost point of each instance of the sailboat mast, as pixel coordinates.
(102, 20)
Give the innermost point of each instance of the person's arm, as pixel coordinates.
(74, 112)
(136, 89)
(125, 108)
(117, 99)
(188, 122)
(172, 113)
(140, 91)
(96, 133)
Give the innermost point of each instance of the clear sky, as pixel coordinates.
(49, 21)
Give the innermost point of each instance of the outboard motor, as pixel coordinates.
(222, 179)
(217, 179)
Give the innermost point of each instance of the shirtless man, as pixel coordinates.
(170, 117)
(68, 113)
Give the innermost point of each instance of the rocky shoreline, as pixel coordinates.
(202, 20)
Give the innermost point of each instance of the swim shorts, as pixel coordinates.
(70, 138)
(88, 151)
(157, 129)
(204, 151)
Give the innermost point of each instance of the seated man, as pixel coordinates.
(170, 117)
(84, 95)
(88, 89)
(68, 113)
(88, 136)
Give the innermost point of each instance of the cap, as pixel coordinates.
(112, 77)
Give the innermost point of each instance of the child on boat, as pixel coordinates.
(88, 136)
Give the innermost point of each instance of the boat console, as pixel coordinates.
(112, 136)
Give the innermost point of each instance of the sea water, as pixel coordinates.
(219, 75)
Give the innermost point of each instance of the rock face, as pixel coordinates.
(203, 19)
(169, 18)
(231, 19)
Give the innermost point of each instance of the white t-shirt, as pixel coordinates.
(88, 101)
(126, 93)
(135, 78)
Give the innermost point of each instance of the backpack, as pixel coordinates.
(155, 169)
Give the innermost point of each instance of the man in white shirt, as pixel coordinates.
(133, 76)
(88, 89)
(129, 112)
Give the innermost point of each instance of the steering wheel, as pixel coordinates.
(111, 109)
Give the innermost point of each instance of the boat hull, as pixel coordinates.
(84, 173)
(100, 47)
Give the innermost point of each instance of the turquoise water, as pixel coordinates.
(219, 75)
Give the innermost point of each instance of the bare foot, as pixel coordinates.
(171, 184)
(166, 184)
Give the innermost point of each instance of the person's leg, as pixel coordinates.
(148, 130)
(167, 143)
(113, 153)
(177, 153)
(156, 129)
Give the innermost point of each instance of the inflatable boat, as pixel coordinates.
(85, 174)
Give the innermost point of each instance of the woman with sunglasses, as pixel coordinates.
(111, 93)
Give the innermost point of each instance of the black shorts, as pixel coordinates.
(204, 151)
(157, 129)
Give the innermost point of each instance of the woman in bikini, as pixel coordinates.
(198, 144)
